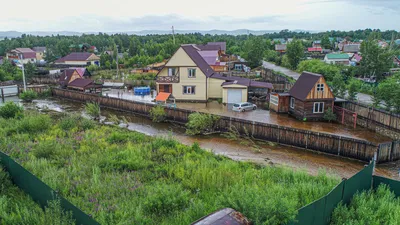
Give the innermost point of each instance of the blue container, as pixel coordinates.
(141, 91)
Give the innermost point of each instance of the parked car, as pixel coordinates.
(244, 106)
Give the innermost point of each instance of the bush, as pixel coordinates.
(163, 199)
(34, 123)
(11, 110)
(158, 114)
(329, 115)
(93, 110)
(200, 123)
(68, 122)
(378, 206)
(28, 95)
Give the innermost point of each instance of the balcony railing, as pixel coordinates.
(168, 79)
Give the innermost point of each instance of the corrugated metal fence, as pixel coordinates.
(320, 211)
(39, 191)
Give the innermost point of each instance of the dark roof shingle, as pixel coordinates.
(80, 83)
(75, 56)
(198, 60)
(304, 85)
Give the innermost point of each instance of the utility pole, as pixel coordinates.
(173, 34)
(117, 62)
(21, 57)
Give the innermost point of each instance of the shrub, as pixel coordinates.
(158, 114)
(93, 110)
(369, 207)
(11, 110)
(329, 115)
(200, 123)
(34, 123)
(68, 122)
(87, 124)
(163, 199)
(28, 95)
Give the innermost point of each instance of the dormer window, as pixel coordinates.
(320, 87)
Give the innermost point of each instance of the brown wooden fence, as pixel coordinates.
(387, 119)
(321, 142)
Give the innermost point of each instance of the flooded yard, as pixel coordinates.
(301, 159)
(261, 115)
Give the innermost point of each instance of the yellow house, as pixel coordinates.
(188, 77)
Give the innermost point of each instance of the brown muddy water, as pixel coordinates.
(267, 153)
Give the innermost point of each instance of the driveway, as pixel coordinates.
(283, 70)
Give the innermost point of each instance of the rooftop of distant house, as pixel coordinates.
(76, 56)
(337, 56)
(39, 49)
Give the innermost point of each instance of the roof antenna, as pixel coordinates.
(173, 34)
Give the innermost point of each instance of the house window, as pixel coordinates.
(191, 73)
(238, 66)
(292, 103)
(189, 90)
(171, 71)
(273, 99)
(320, 87)
(318, 107)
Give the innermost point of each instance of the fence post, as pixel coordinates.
(2, 95)
(340, 142)
(307, 135)
(279, 133)
(252, 132)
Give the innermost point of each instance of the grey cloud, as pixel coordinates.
(387, 4)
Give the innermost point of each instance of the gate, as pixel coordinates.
(345, 116)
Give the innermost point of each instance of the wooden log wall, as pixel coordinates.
(321, 142)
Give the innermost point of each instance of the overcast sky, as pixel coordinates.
(136, 15)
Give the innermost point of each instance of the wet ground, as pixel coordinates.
(261, 115)
(298, 159)
(283, 70)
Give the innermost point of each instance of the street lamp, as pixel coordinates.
(21, 57)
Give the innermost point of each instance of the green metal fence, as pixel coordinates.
(319, 212)
(39, 191)
(394, 185)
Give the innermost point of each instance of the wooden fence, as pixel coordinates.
(321, 142)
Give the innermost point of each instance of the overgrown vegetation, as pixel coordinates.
(28, 95)
(11, 110)
(16, 207)
(93, 110)
(124, 177)
(201, 123)
(371, 207)
(158, 114)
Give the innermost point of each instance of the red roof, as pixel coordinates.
(315, 49)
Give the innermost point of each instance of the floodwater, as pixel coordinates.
(267, 154)
(261, 115)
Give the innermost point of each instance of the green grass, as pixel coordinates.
(125, 177)
(374, 207)
(17, 208)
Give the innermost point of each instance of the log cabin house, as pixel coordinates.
(308, 99)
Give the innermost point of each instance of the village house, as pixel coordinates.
(67, 76)
(308, 99)
(40, 52)
(315, 50)
(316, 44)
(85, 85)
(188, 76)
(337, 58)
(351, 48)
(281, 48)
(23, 55)
(79, 59)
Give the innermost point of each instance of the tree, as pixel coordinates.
(30, 69)
(375, 60)
(338, 86)
(254, 49)
(353, 89)
(325, 42)
(295, 52)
